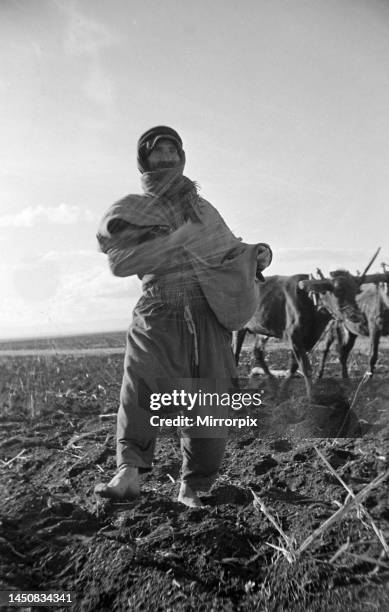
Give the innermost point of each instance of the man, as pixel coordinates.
(181, 248)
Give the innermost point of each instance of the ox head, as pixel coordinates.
(338, 295)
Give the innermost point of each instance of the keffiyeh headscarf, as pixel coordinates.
(149, 139)
(174, 190)
(177, 193)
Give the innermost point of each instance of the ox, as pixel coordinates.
(285, 310)
(373, 301)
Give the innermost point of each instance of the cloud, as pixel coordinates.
(36, 281)
(85, 275)
(86, 285)
(64, 214)
(64, 291)
(87, 38)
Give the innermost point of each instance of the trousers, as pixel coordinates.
(174, 347)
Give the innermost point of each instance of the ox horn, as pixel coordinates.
(361, 279)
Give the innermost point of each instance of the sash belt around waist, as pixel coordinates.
(178, 297)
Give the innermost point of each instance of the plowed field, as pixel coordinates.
(253, 546)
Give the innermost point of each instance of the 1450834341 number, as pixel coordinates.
(42, 597)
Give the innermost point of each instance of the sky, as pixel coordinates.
(281, 105)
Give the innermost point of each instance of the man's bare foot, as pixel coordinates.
(124, 485)
(188, 497)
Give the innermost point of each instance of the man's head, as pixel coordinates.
(160, 147)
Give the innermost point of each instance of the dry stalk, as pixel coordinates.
(382, 556)
(368, 559)
(289, 550)
(288, 554)
(174, 449)
(88, 434)
(11, 548)
(361, 508)
(362, 382)
(252, 546)
(340, 551)
(32, 405)
(343, 510)
(360, 557)
(18, 456)
(107, 439)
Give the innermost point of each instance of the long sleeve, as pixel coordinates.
(140, 249)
